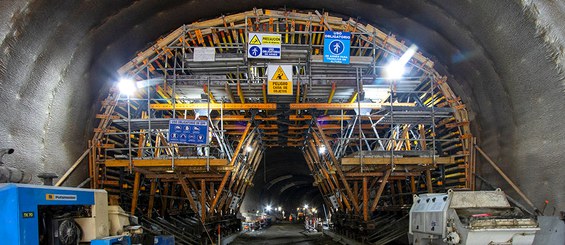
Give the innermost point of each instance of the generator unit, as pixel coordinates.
(35, 214)
(469, 217)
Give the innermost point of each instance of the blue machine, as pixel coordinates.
(164, 240)
(19, 208)
(113, 240)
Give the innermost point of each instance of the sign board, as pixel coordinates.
(337, 47)
(183, 131)
(280, 79)
(264, 46)
(204, 54)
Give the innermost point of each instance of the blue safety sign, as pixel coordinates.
(183, 131)
(337, 46)
(263, 45)
(254, 51)
(271, 52)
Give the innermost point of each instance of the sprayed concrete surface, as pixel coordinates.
(283, 233)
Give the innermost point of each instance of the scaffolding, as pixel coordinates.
(362, 135)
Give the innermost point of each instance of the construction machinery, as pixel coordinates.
(469, 217)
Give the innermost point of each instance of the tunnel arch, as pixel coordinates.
(509, 93)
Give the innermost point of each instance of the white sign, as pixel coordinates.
(60, 197)
(204, 54)
(264, 46)
(280, 79)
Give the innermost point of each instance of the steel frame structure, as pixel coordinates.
(378, 136)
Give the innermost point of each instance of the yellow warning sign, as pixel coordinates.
(49, 197)
(272, 39)
(279, 88)
(280, 75)
(255, 40)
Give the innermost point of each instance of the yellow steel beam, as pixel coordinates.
(330, 98)
(240, 93)
(397, 160)
(165, 162)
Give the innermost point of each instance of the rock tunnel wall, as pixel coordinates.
(505, 60)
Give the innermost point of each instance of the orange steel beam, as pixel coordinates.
(381, 189)
(273, 106)
(165, 162)
(396, 160)
(227, 174)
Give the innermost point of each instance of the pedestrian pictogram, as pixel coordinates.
(336, 47)
(254, 51)
(280, 75)
(255, 40)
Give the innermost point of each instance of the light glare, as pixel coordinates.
(127, 86)
(396, 68)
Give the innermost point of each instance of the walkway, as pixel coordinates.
(283, 233)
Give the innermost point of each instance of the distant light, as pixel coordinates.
(170, 171)
(268, 208)
(280, 209)
(127, 86)
(322, 149)
(306, 206)
(248, 148)
(396, 68)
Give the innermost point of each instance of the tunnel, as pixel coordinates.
(497, 64)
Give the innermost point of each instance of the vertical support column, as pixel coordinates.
(135, 192)
(203, 198)
(429, 181)
(365, 200)
(151, 198)
(164, 198)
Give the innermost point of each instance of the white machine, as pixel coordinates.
(469, 217)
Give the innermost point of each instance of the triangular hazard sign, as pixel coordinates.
(280, 75)
(255, 40)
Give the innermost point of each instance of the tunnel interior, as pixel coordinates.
(502, 60)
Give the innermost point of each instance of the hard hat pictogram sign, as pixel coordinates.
(280, 75)
(255, 40)
(280, 79)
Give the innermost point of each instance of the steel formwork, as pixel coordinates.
(363, 136)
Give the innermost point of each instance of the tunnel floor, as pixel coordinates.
(284, 233)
